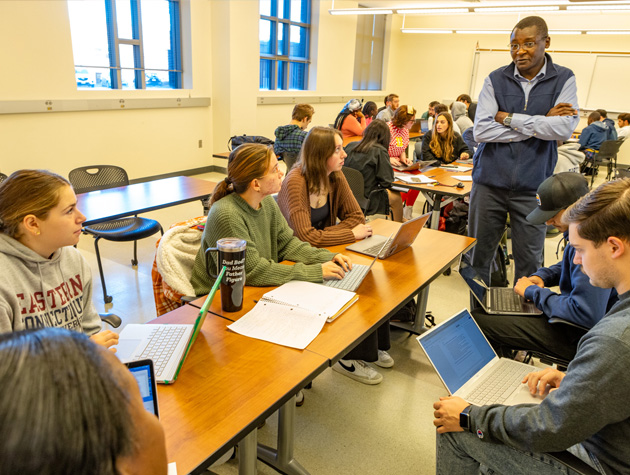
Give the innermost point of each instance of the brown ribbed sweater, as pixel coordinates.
(294, 203)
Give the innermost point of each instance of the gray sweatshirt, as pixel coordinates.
(38, 292)
(591, 405)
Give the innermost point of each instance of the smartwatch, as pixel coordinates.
(508, 120)
(464, 418)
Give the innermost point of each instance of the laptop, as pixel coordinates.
(469, 367)
(406, 235)
(420, 125)
(167, 345)
(144, 373)
(496, 300)
(354, 277)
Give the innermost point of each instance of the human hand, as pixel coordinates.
(464, 156)
(446, 414)
(522, 284)
(538, 380)
(500, 116)
(562, 109)
(395, 162)
(537, 281)
(343, 261)
(404, 160)
(106, 338)
(361, 231)
(359, 114)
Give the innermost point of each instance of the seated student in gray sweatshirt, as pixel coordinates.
(586, 411)
(45, 282)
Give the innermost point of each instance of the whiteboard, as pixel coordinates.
(602, 79)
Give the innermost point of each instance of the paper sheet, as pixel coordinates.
(422, 179)
(281, 324)
(462, 177)
(456, 168)
(315, 297)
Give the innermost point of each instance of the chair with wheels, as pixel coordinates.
(355, 181)
(102, 177)
(607, 155)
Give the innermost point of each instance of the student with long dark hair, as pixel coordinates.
(45, 281)
(242, 207)
(442, 143)
(350, 120)
(315, 197)
(371, 158)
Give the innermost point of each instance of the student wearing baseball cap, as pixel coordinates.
(578, 303)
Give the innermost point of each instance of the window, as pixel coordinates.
(284, 44)
(368, 55)
(126, 44)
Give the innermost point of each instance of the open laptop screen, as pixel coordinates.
(142, 370)
(474, 282)
(458, 350)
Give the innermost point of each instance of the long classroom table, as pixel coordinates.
(228, 385)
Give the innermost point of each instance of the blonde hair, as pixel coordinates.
(27, 192)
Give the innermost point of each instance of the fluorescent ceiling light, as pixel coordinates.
(483, 32)
(361, 11)
(425, 30)
(621, 7)
(516, 9)
(565, 32)
(608, 32)
(433, 11)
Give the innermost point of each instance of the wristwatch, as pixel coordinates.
(508, 120)
(464, 418)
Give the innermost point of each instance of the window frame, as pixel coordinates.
(289, 60)
(114, 41)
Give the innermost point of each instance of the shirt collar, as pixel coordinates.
(541, 74)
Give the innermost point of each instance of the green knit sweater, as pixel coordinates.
(269, 241)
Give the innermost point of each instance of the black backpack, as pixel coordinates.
(241, 139)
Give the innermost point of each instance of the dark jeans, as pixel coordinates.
(535, 333)
(367, 350)
(489, 208)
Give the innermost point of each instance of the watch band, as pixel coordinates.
(464, 418)
(508, 120)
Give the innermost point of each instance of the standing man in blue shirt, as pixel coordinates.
(523, 110)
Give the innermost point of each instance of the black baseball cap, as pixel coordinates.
(556, 193)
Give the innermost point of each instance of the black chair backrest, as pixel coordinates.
(97, 177)
(3, 177)
(609, 148)
(355, 180)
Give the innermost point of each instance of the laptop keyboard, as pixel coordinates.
(351, 279)
(162, 343)
(505, 300)
(499, 384)
(374, 250)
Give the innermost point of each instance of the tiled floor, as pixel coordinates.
(344, 427)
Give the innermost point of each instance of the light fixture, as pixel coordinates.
(426, 30)
(608, 32)
(433, 11)
(483, 32)
(548, 8)
(590, 8)
(361, 11)
(565, 32)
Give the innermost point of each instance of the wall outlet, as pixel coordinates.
(200, 143)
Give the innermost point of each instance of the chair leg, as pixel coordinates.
(134, 261)
(107, 298)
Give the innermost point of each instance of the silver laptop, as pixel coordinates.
(353, 278)
(496, 300)
(469, 367)
(166, 344)
(406, 235)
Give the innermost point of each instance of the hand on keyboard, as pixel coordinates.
(332, 270)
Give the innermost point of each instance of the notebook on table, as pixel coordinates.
(354, 277)
(405, 237)
(496, 300)
(166, 344)
(144, 373)
(468, 366)
(421, 166)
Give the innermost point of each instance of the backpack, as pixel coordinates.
(237, 140)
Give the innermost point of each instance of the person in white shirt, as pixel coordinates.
(623, 121)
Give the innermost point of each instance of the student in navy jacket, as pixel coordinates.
(593, 134)
(523, 110)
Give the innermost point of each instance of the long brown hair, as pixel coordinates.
(442, 145)
(246, 163)
(27, 192)
(318, 147)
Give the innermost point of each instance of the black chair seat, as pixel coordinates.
(124, 230)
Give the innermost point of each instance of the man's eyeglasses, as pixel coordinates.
(515, 46)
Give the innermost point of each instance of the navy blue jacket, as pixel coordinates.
(521, 165)
(578, 302)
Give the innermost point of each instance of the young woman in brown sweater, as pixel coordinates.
(315, 194)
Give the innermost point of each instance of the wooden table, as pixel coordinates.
(389, 285)
(227, 386)
(224, 155)
(445, 188)
(113, 203)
